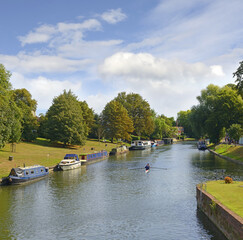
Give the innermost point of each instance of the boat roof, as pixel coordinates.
(70, 156)
(29, 167)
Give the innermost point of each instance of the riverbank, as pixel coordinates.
(222, 204)
(44, 153)
(229, 152)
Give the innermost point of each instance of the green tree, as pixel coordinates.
(65, 120)
(42, 126)
(116, 121)
(218, 108)
(27, 105)
(184, 121)
(10, 128)
(139, 111)
(235, 132)
(97, 130)
(239, 79)
(88, 115)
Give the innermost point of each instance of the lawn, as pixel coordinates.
(44, 153)
(232, 151)
(230, 195)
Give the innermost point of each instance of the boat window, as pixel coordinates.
(32, 172)
(13, 173)
(42, 170)
(27, 172)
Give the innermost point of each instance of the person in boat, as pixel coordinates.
(147, 167)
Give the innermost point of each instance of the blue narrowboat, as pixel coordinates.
(89, 157)
(25, 174)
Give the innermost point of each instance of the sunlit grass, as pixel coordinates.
(44, 153)
(230, 195)
(232, 151)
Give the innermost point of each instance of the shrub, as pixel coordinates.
(228, 180)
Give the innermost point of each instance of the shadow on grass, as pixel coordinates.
(47, 143)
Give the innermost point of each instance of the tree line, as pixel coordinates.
(71, 121)
(127, 116)
(219, 112)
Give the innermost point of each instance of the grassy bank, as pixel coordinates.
(44, 153)
(231, 151)
(230, 195)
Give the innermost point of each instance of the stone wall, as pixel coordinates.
(230, 224)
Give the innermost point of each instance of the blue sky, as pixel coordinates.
(167, 51)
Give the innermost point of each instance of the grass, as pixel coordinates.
(232, 151)
(230, 195)
(44, 153)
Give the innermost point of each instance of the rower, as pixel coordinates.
(147, 167)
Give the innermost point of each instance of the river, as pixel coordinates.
(116, 199)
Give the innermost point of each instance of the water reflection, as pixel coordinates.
(115, 199)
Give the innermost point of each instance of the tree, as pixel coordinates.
(88, 115)
(218, 108)
(27, 105)
(239, 79)
(65, 120)
(116, 121)
(183, 121)
(235, 132)
(97, 130)
(139, 111)
(10, 128)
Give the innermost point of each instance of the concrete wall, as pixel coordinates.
(230, 224)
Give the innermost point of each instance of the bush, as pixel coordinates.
(228, 180)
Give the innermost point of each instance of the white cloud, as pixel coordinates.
(37, 63)
(43, 89)
(41, 34)
(217, 70)
(145, 66)
(114, 16)
(168, 85)
(45, 33)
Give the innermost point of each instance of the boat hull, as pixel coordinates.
(13, 180)
(66, 167)
(27, 174)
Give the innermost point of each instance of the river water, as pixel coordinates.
(116, 199)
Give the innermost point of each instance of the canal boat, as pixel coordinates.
(119, 150)
(25, 174)
(91, 157)
(154, 144)
(201, 145)
(140, 145)
(70, 161)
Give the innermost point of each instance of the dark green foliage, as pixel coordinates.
(218, 108)
(184, 121)
(235, 131)
(239, 79)
(10, 127)
(65, 120)
(27, 105)
(97, 130)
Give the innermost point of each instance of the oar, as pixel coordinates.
(134, 168)
(160, 168)
(150, 167)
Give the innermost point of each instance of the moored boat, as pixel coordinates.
(119, 150)
(70, 161)
(25, 174)
(201, 145)
(140, 145)
(90, 157)
(154, 144)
